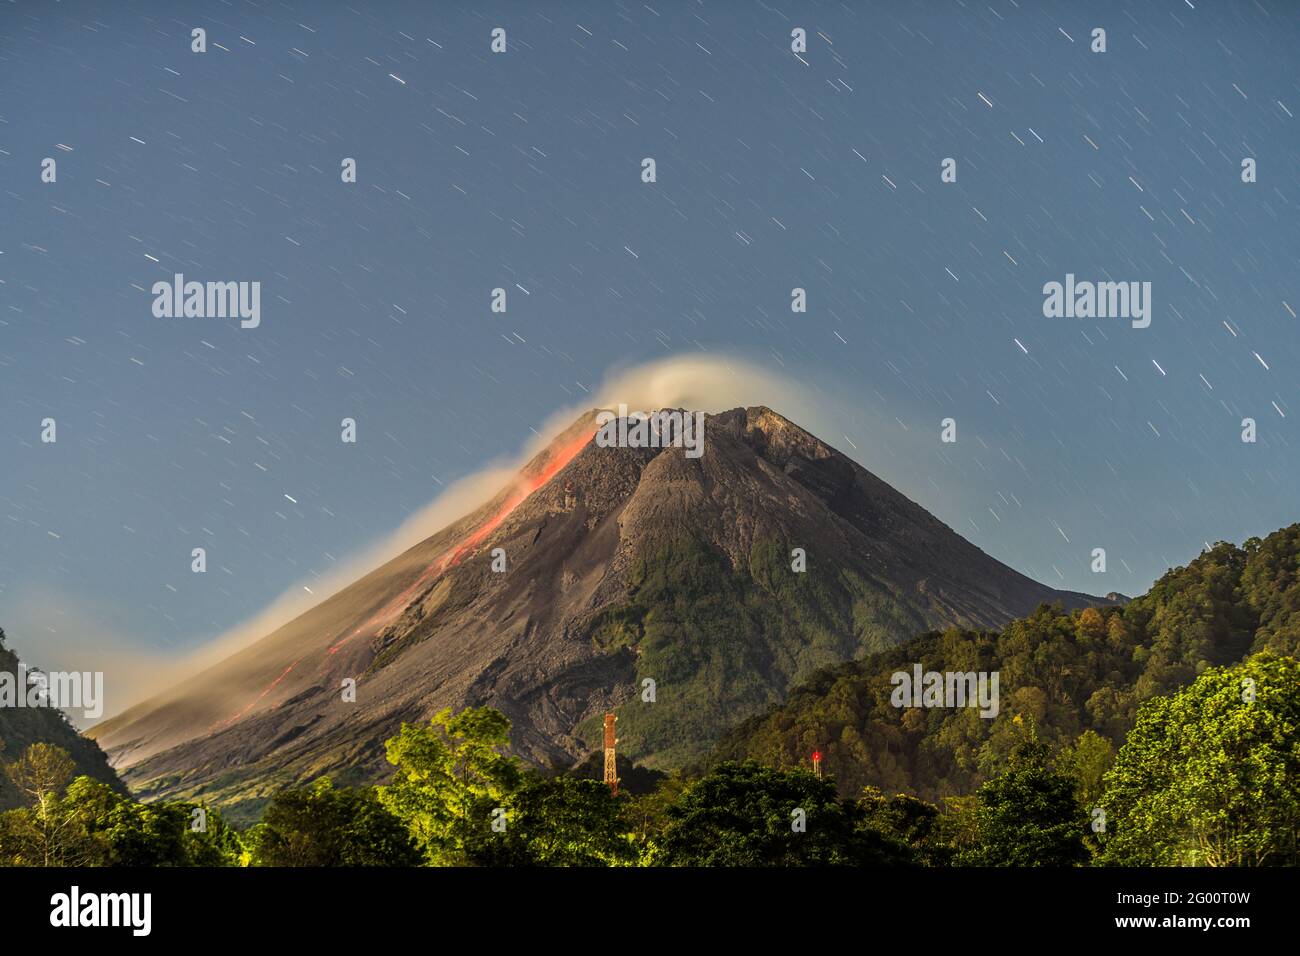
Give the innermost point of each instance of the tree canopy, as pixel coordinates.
(1210, 776)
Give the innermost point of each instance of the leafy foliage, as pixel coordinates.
(324, 826)
(1028, 815)
(561, 821)
(750, 815)
(1211, 775)
(931, 835)
(85, 822)
(452, 774)
(1270, 582)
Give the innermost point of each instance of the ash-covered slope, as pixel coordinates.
(622, 565)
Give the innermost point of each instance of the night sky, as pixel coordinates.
(522, 170)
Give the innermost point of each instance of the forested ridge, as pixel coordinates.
(1070, 672)
(20, 727)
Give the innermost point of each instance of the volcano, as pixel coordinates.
(686, 594)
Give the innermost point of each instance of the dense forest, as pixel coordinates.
(1075, 674)
(1208, 776)
(1163, 732)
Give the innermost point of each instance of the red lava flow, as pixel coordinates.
(452, 557)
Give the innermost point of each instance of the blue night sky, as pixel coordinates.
(523, 170)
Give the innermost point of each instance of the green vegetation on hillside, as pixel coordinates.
(1080, 676)
(724, 639)
(1209, 776)
(20, 727)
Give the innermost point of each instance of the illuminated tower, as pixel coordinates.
(611, 763)
(817, 763)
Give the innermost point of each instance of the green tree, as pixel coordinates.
(452, 773)
(1087, 761)
(749, 815)
(560, 821)
(91, 824)
(909, 822)
(216, 844)
(1028, 814)
(41, 773)
(127, 833)
(1210, 776)
(647, 816)
(46, 832)
(321, 825)
(138, 834)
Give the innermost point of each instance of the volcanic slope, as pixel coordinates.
(623, 566)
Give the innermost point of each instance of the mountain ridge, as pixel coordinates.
(620, 562)
(1070, 673)
(21, 727)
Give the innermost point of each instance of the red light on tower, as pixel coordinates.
(817, 763)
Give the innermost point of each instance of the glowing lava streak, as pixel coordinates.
(449, 559)
(265, 690)
(526, 487)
